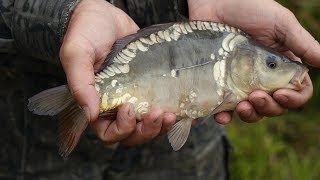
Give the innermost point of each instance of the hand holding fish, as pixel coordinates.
(276, 27)
(94, 27)
(192, 69)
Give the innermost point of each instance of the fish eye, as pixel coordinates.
(272, 65)
(272, 62)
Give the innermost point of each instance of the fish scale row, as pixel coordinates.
(121, 60)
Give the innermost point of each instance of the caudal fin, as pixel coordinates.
(72, 123)
(51, 101)
(72, 119)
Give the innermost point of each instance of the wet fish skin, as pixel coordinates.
(193, 69)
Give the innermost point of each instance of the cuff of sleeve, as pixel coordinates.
(65, 17)
(38, 26)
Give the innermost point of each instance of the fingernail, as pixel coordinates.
(245, 113)
(282, 99)
(131, 111)
(259, 102)
(86, 112)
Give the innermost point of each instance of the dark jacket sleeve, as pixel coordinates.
(36, 26)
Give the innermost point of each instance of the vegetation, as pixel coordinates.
(285, 147)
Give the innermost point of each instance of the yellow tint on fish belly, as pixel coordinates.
(104, 103)
(108, 103)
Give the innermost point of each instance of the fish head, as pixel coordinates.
(259, 67)
(276, 71)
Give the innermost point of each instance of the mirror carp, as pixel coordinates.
(193, 69)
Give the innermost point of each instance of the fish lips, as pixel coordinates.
(296, 83)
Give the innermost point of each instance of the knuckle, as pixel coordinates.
(129, 129)
(102, 136)
(150, 133)
(124, 125)
(120, 131)
(67, 49)
(124, 130)
(252, 117)
(268, 112)
(297, 102)
(105, 139)
(276, 111)
(70, 49)
(75, 90)
(270, 108)
(288, 14)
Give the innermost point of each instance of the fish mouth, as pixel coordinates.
(296, 82)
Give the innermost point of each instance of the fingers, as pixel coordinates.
(223, 117)
(265, 105)
(111, 131)
(247, 113)
(80, 76)
(147, 129)
(125, 129)
(260, 104)
(296, 38)
(168, 120)
(91, 32)
(293, 99)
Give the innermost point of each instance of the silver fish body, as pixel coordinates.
(193, 69)
(167, 74)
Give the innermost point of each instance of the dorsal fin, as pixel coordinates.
(123, 42)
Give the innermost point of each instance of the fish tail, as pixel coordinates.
(72, 119)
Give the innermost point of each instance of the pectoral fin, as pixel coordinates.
(227, 104)
(179, 133)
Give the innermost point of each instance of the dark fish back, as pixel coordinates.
(123, 42)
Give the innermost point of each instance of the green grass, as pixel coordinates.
(285, 147)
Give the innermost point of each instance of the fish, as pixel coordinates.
(193, 69)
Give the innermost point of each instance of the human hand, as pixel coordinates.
(93, 28)
(275, 26)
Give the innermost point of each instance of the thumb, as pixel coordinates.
(78, 66)
(297, 39)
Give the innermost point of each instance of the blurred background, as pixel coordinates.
(285, 147)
